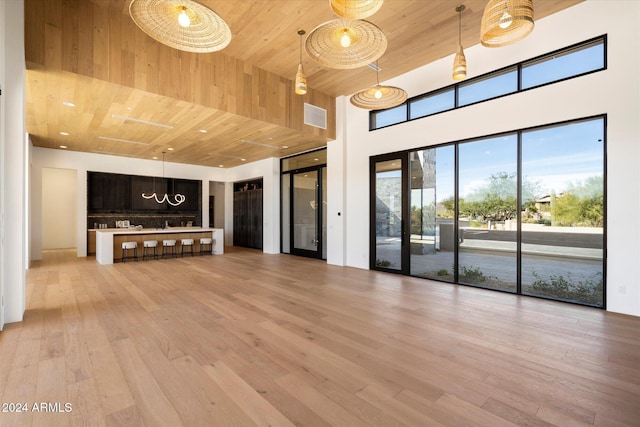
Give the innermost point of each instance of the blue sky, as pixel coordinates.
(555, 157)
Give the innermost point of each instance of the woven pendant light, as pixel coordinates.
(379, 97)
(345, 44)
(181, 24)
(301, 78)
(459, 62)
(505, 22)
(355, 9)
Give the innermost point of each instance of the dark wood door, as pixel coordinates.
(247, 218)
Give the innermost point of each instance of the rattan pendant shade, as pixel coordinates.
(387, 97)
(459, 61)
(379, 97)
(207, 31)
(325, 44)
(355, 9)
(505, 22)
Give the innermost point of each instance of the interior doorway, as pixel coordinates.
(59, 208)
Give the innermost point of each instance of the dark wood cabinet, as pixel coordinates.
(188, 188)
(109, 192)
(247, 218)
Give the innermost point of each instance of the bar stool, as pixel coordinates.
(206, 241)
(150, 244)
(186, 242)
(129, 245)
(169, 244)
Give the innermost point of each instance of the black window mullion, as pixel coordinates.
(519, 217)
(456, 214)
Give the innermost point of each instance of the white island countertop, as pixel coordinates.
(104, 238)
(133, 230)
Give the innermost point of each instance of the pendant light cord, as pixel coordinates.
(459, 9)
(460, 28)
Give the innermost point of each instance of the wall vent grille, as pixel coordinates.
(315, 116)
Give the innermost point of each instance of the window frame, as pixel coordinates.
(602, 39)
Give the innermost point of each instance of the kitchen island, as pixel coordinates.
(109, 241)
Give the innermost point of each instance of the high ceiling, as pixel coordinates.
(136, 97)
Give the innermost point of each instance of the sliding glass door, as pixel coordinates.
(522, 212)
(563, 227)
(487, 212)
(433, 235)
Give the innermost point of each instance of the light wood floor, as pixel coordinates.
(249, 339)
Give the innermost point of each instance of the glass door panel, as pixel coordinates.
(388, 238)
(306, 214)
(487, 212)
(433, 213)
(563, 212)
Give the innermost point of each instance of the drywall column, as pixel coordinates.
(336, 179)
(14, 162)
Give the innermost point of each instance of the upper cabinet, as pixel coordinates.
(117, 193)
(108, 192)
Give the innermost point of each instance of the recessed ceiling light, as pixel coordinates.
(170, 148)
(316, 159)
(155, 157)
(63, 146)
(221, 166)
(202, 131)
(285, 146)
(68, 104)
(64, 133)
(129, 108)
(244, 160)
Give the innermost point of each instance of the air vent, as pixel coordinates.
(315, 116)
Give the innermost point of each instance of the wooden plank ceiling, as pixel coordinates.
(218, 109)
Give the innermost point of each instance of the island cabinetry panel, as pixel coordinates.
(91, 242)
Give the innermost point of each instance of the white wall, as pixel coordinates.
(2, 145)
(336, 184)
(615, 92)
(14, 161)
(43, 158)
(59, 199)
